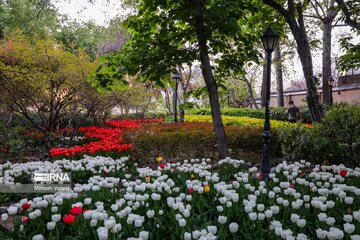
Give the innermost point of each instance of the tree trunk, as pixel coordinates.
(209, 79)
(326, 61)
(263, 84)
(279, 76)
(312, 97)
(167, 101)
(298, 30)
(326, 54)
(251, 94)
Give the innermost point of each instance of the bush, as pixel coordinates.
(135, 116)
(192, 140)
(276, 113)
(336, 139)
(239, 121)
(12, 140)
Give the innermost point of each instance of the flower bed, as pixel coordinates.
(190, 200)
(109, 140)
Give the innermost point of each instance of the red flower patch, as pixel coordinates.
(69, 219)
(76, 210)
(26, 206)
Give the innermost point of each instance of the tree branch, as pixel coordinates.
(278, 7)
(348, 20)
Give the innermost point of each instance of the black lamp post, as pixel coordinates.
(331, 82)
(269, 40)
(176, 78)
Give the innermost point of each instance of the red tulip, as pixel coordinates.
(26, 206)
(162, 166)
(191, 191)
(343, 173)
(24, 219)
(5, 150)
(76, 210)
(69, 219)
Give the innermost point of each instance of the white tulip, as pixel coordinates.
(144, 235)
(38, 237)
(301, 223)
(322, 217)
(50, 225)
(212, 229)
(93, 222)
(12, 210)
(321, 234)
(330, 221)
(349, 200)
(261, 216)
(56, 217)
(182, 222)
(349, 228)
(233, 227)
(260, 207)
(102, 233)
(5, 216)
(294, 218)
(187, 236)
(348, 218)
(222, 219)
(252, 216)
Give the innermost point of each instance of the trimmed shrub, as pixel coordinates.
(239, 121)
(276, 113)
(336, 139)
(192, 140)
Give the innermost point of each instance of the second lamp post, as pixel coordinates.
(269, 40)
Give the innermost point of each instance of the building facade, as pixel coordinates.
(346, 91)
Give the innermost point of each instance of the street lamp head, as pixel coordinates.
(331, 81)
(269, 40)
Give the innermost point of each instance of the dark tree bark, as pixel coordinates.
(279, 76)
(183, 89)
(326, 13)
(210, 82)
(326, 59)
(295, 19)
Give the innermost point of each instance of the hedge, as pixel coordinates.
(193, 139)
(239, 121)
(276, 113)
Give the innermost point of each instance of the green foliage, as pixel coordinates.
(12, 139)
(77, 36)
(34, 18)
(276, 113)
(238, 121)
(163, 36)
(45, 78)
(191, 140)
(351, 59)
(336, 139)
(134, 116)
